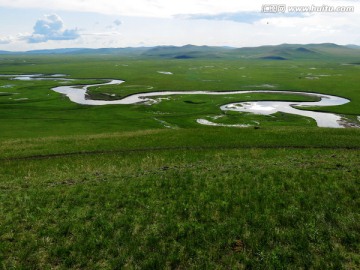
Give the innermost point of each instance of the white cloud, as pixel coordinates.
(241, 17)
(6, 40)
(117, 22)
(51, 27)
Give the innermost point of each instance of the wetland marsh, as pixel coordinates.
(79, 95)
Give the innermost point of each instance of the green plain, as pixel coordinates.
(111, 187)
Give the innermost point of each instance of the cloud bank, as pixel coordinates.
(241, 17)
(162, 22)
(5, 40)
(51, 27)
(117, 22)
(161, 8)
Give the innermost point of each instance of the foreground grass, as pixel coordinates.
(181, 209)
(202, 137)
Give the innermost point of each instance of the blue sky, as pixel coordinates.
(47, 24)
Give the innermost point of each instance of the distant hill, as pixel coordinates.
(304, 50)
(269, 52)
(273, 57)
(6, 52)
(75, 51)
(352, 46)
(187, 51)
(294, 51)
(91, 51)
(55, 51)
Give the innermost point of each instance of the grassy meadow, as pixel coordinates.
(147, 187)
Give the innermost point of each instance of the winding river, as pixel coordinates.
(322, 119)
(78, 95)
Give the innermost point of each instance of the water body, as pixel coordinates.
(37, 77)
(269, 107)
(165, 72)
(259, 107)
(78, 95)
(209, 123)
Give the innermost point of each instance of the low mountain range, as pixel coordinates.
(270, 52)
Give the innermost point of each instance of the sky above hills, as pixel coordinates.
(48, 24)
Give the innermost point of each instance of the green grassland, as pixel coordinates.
(146, 187)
